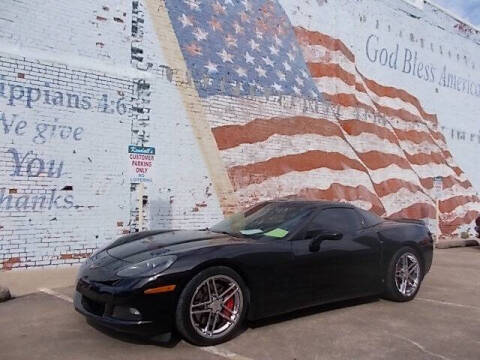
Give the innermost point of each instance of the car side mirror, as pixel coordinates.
(319, 236)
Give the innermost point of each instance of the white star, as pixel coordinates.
(291, 56)
(193, 49)
(277, 87)
(231, 41)
(241, 72)
(304, 73)
(244, 17)
(215, 24)
(268, 61)
(277, 40)
(194, 4)
(287, 66)
(212, 68)
(249, 59)
(185, 20)
(218, 8)
(299, 81)
(297, 90)
(261, 71)
(247, 5)
(259, 34)
(238, 28)
(229, 2)
(273, 50)
(314, 94)
(200, 34)
(226, 57)
(281, 76)
(254, 45)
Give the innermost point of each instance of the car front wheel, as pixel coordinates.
(404, 275)
(212, 306)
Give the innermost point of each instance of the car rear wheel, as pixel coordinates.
(404, 275)
(212, 306)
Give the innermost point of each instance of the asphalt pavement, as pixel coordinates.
(443, 322)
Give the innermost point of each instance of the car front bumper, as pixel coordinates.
(140, 327)
(154, 314)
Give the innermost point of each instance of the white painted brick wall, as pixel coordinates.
(75, 141)
(89, 54)
(84, 47)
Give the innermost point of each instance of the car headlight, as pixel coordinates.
(148, 267)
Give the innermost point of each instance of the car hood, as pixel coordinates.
(404, 221)
(145, 245)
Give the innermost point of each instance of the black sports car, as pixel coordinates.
(276, 257)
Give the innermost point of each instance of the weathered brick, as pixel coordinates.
(69, 64)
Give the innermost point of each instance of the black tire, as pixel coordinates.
(183, 320)
(392, 291)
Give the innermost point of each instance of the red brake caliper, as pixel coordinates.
(229, 305)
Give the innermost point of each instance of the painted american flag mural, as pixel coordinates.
(275, 143)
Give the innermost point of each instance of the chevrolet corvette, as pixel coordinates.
(274, 258)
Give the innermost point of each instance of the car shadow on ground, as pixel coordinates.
(170, 340)
(312, 311)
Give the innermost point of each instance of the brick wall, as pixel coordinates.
(60, 169)
(82, 80)
(73, 95)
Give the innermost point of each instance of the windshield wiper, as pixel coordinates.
(221, 232)
(235, 234)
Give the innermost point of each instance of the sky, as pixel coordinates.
(466, 9)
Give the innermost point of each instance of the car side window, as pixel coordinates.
(370, 218)
(336, 219)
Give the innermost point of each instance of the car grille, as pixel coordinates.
(94, 307)
(108, 282)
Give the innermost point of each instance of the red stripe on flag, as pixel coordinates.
(342, 192)
(258, 130)
(257, 173)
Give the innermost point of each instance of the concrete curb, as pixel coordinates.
(4, 294)
(446, 244)
(27, 281)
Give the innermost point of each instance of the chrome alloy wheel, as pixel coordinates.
(216, 306)
(407, 274)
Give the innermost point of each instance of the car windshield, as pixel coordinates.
(273, 220)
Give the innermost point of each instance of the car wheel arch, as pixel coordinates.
(418, 249)
(199, 274)
(390, 251)
(391, 288)
(226, 263)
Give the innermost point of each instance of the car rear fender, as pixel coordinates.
(414, 235)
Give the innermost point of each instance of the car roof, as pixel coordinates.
(316, 203)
